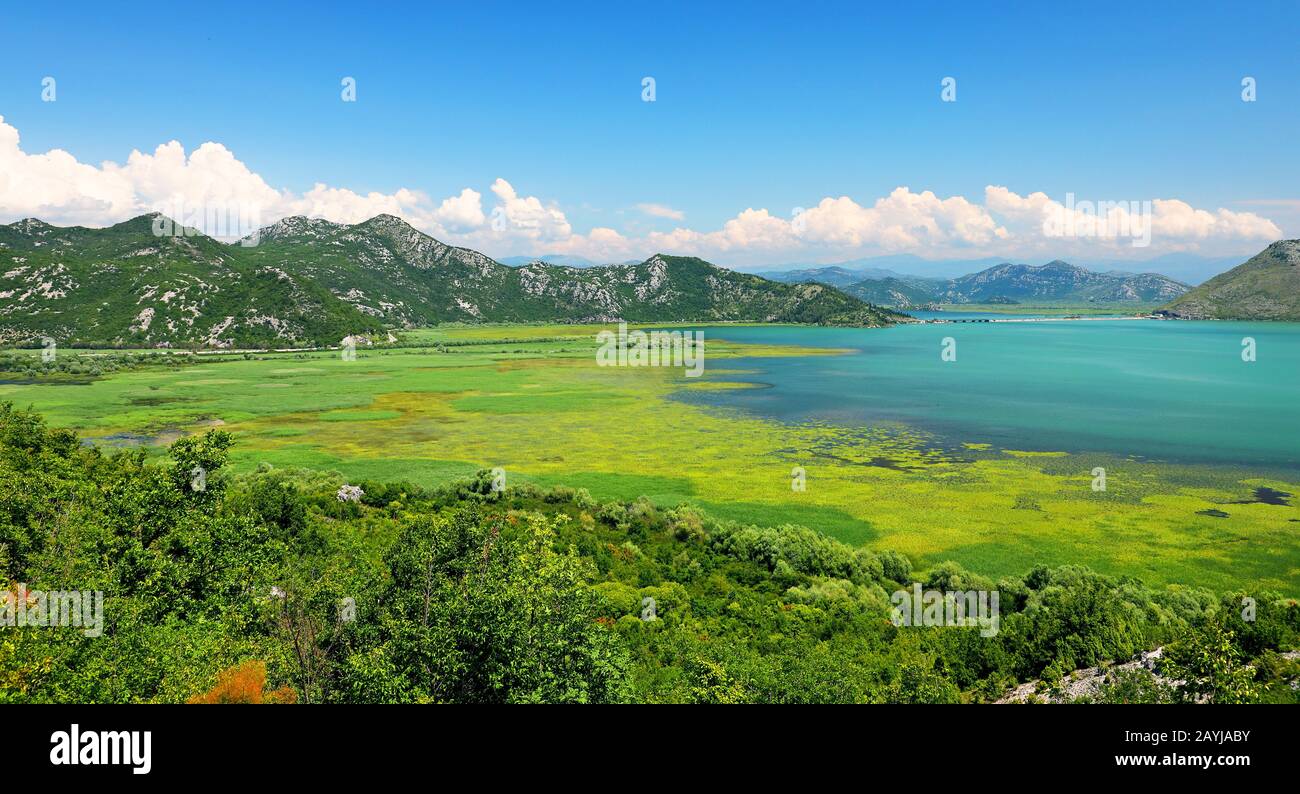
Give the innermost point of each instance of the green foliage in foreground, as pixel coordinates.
(462, 594)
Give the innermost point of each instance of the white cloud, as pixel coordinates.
(58, 188)
(903, 220)
(526, 216)
(661, 211)
(1110, 225)
(462, 212)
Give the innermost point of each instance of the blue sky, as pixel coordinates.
(758, 106)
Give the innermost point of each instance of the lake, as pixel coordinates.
(1163, 390)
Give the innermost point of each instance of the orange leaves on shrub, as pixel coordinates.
(245, 683)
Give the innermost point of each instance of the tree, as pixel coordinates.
(1210, 666)
(473, 614)
(245, 683)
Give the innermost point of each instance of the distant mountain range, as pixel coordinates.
(313, 282)
(1265, 287)
(1185, 268)
(884, 266)
(1057, 282)
(836, 275)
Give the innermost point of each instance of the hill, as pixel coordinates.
(1265, 287)
(126, 286)
(895, 292)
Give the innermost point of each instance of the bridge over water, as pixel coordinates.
(942, 321)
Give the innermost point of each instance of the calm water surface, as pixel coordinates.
(1176, 391)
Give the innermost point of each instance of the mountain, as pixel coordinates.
(125, 286)
(903, 266)
(896, 292)
(834, 275)
(1056, 282)
(1265, 287)
(389, 270)
(1060, 281)
(1187, 268)
(672, 288)
(386, 269)
(308, 282)
(1181, 267)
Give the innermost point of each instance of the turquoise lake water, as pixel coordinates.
(1163, 390)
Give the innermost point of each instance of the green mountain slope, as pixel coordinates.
(124, 285)
(1266, 287)
(387, 269)
(894, 292)
(669, 288)
(312, 282)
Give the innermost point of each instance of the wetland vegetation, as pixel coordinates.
(621, 484)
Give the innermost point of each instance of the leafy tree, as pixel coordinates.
(1210, 666)
(473, 614)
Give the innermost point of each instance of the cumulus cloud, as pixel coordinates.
(903, 220)
(526, 215)
(56, 187)
(1110, 224)
(463, 212)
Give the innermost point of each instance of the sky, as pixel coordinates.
(778, 133)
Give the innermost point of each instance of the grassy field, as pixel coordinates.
(530, 399)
